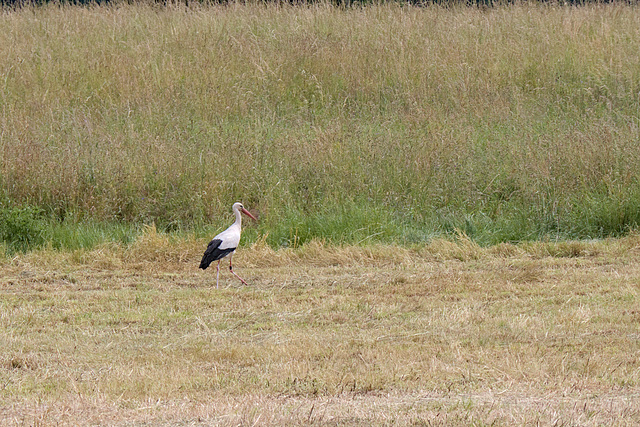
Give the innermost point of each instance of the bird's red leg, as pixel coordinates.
(234, 273)
(218, 274)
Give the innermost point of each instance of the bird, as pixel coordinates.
(225, 243)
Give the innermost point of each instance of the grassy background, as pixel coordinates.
(383, 123)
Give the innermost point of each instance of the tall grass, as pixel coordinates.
(386, 122)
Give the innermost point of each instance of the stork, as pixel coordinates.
(225, 243)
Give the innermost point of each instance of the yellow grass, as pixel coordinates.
(447, 333)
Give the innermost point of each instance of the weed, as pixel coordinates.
(386, 123)
(21, 228)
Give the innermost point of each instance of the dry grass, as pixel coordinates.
(448, 333)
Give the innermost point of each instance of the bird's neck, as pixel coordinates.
(238, 218)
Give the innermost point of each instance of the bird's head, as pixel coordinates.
(239, 207)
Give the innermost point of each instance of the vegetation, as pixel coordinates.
(386, 123)
(448, 334)
(442, 135)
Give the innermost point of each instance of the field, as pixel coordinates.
(448, 203)
(448, 334)
(385, 123)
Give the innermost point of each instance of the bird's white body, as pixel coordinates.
(231, 236)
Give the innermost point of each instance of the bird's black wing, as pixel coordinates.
(214, 253)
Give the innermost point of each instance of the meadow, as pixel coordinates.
(449, 334)
(387, 123)
(447, 203)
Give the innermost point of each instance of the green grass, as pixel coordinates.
(381, 123)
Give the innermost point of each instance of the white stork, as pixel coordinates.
(225, 243)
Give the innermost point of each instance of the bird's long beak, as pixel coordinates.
(247, 213)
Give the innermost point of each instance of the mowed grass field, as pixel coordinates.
(446, 334)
